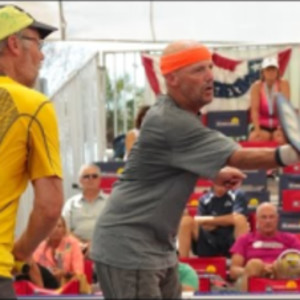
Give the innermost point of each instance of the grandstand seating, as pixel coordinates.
(24, 287)
(192, 204)
(258, 144)
(258, 284)
(232, 123)
(107, 182)
(206, 268)
(111, 167)
(288, 182)
(88, 270)
(291, 200)
(289, 221)
(293, 169)
(254, 198)
(207, 265)
(255, 178)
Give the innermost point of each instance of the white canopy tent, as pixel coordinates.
(119, 23)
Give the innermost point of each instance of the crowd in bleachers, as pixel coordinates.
(254, 190)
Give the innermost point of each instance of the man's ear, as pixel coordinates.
(172, 79)
(14, 45)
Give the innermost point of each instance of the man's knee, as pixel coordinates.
(254, 267)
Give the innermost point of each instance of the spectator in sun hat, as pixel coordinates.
(263, 109)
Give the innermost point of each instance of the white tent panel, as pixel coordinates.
(226, 21)
(261, 22)
(107, 20)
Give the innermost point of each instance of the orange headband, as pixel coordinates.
(175, 61)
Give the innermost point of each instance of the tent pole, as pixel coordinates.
(62, 20)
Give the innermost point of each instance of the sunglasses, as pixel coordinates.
(38, 42)
(90, 176)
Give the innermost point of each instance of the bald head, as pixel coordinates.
(187, 68)
(266, 206)
(267, 219)
(178, 46)
(89, 167)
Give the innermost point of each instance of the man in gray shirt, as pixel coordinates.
(134, 238)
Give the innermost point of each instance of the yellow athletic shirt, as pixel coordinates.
(29, 149)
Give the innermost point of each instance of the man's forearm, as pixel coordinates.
(47, 206)
(39, 227)
(251, 158)
(225, 220)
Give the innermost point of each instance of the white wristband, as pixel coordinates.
(288, 155)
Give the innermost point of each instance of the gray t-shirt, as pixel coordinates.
(138, 225)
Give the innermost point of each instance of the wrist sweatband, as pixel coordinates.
(286, 155)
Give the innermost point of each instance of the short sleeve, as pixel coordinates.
(239, 246)
(294, 241)
(240, 203)
(202, 209)
(197, 148)
(43, 143)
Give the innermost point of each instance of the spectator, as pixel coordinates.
(29, 144)
(82, 210)
(133, 134)
(60, 253)
(188, 278)
(254, 254)
(221, 219)
(263, 106)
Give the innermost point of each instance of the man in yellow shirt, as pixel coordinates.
(29, 146)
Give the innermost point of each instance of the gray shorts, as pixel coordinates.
(6, 289)
(118, 283)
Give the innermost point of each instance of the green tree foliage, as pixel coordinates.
(123, 95)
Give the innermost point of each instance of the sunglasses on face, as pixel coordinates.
(38, 42)
(90, 176)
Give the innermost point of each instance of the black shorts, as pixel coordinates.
(270, 130)
(214, 243)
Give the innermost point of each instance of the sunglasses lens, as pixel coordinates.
(87, 176)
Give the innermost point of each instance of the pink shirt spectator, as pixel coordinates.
(254, 245)
(68, 256)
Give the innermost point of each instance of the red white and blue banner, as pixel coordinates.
(232, 78)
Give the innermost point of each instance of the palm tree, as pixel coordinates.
(122, 98)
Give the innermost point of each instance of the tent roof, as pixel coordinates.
(223, 22)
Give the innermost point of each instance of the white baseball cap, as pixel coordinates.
(270, 62)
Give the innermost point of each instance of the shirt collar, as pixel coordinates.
(101, 196)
